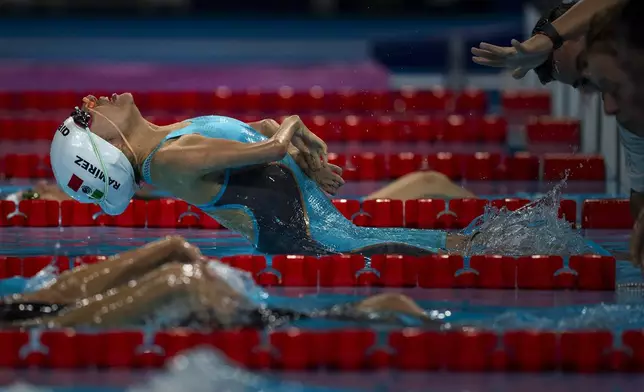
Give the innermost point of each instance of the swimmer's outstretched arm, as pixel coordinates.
(91, 279)
(576, 21)
(194, 155)
(190, 288)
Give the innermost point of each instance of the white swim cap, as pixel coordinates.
(89, 169)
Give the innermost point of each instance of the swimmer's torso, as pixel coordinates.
(262, 202)
(277, 207)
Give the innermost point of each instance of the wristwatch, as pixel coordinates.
(549, 31)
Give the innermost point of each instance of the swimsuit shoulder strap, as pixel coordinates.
(145, 168)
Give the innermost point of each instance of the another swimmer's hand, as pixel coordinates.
(521, 57)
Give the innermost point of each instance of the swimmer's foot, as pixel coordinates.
(457, 243)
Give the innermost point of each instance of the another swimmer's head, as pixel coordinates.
(561, 66)
(601, 66)
(99, 165)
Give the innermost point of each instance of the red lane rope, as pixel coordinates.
(287, 100)
(171, 213)
(340, 350)
(584, 272)
(369, 166)
(421, 214)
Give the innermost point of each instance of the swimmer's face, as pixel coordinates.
(566, 68)
(118, 108)
(565, 64)
(618, 92)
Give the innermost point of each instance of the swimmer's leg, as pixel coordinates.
(420, 185)
(91, 279)
(185, 285)
(411, 242)
(396, 303)
(391, 302)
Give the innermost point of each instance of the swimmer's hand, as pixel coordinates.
(520, 57)
(312, 149)
(329, 177)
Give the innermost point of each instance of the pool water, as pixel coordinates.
(501, 309)
(498, 309)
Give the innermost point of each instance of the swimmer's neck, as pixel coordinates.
(146, 136)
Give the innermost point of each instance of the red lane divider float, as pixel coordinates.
(575, 167)
(584, 272)
(528, 101)
(369, 166)
(367, 128)
(546, 129)
(295, 349)
(282, 100)
(606, 214)
(171, 213)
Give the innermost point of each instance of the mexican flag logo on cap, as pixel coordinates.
(75, 183)
(96, 195)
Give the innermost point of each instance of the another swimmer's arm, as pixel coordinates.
(194, 154)
(92, 279)
(576, 21)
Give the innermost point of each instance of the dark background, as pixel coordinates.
(312, 8)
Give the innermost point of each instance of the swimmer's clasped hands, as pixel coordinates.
(312, 148)
(520, 57)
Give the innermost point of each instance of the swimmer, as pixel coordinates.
(169, 283)
(565, 63)
(240, 174)
(422, 185)
(564, 26)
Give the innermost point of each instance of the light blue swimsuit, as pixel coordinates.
(290, 213)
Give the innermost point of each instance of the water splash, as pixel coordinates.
(534, 229)
(206, 369)
(614, 317)
(22, 387)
